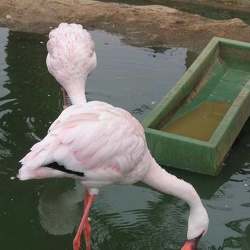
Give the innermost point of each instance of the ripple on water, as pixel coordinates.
(140, 215)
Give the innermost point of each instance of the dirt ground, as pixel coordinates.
(139, 25)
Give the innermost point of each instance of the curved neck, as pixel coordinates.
(161, 180)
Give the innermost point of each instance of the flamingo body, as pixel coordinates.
(96, 142)
(87, 139)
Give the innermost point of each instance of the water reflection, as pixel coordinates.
(47, 212)
(119, 212)
(134, 78)
(59, 207)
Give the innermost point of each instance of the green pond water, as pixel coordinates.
(44, 214)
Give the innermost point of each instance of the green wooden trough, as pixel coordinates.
(195, 124)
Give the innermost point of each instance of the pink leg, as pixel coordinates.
(84, 225)
(85, 198)
(64, 98)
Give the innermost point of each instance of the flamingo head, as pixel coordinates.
(191, 244)
(197, 227)
(71, 58)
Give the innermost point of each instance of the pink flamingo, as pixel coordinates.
(98, 143)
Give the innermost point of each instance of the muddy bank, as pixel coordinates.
(240, 5)
(140, 26)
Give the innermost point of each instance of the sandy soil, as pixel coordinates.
(140, 26)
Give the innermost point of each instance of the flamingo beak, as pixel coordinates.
(191, 244)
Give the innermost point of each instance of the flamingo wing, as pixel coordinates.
(103, 143)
